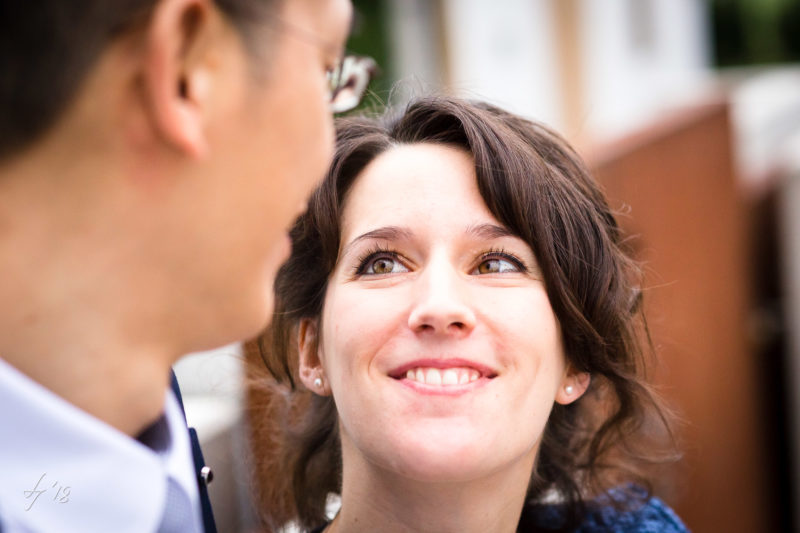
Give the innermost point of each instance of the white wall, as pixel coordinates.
(503, 51)
(500, 51)
(641, 57)
(414, 51)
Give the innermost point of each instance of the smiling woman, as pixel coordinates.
(460, 336)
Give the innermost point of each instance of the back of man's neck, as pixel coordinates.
(74, 319)
(126, 397)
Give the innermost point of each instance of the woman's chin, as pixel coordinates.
(439, 469)
(441, 461)
(443, 450)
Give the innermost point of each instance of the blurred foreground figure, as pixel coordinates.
(152, 156)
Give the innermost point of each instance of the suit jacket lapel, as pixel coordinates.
(202, 471)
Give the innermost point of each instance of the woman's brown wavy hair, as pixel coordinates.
(534, 183)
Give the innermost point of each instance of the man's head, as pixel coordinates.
(178, 139)
(48, 47)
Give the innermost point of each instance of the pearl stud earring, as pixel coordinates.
(318, 383)
(568, 389)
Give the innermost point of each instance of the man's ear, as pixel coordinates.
(312, 374)
(176, 74)
(572, 386)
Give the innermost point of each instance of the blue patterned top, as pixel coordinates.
(631, 514)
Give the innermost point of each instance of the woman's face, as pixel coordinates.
(437, 338)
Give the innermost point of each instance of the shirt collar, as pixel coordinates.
(65, 470)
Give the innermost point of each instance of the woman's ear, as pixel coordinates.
(572, 386)
(310, 367)
(176, 71)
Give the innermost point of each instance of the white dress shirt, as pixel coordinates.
(63, 470)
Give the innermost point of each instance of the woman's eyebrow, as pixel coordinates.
(398, 233)
(385, 233)
(489, 231)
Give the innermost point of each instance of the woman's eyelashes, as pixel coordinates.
(381, 261)
(499, 262)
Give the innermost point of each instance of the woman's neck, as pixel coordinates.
(373, 497)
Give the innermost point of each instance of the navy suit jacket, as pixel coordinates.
(199, 464)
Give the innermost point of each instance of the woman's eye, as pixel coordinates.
(383, 265)
(497, 265)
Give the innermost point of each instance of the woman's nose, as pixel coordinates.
(441, 303)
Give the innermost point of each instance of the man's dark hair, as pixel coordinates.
(47, 48)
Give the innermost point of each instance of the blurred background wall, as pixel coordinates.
(689, 113)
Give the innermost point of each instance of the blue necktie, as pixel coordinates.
(178, 512)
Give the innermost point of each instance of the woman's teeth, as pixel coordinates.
(443, 376)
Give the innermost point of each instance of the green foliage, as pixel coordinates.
(750, 32)
(369, 36)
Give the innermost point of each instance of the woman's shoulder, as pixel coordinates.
(623, 510)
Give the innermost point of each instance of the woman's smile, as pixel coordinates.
(443, 376)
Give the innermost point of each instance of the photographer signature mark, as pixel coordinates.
(61, 495)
